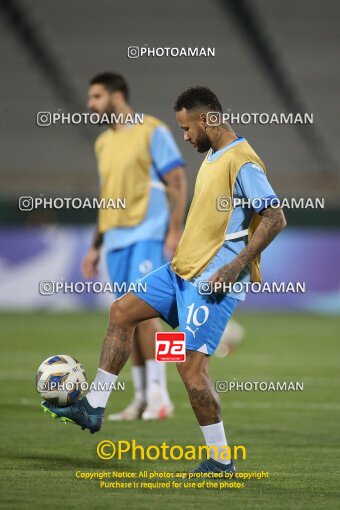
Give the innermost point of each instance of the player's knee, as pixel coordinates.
(116, 314)
(188, 372)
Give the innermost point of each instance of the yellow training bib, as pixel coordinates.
(124, 164)
(206, 226)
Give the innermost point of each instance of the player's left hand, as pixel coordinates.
(171, 242)
(226, 275)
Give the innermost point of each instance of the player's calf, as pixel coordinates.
(117, 345)
(204, 400)
(205, 403)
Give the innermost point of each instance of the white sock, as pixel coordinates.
(155, 380)
(164, 385)
(101, 388)
(139, 383)
(214, 435)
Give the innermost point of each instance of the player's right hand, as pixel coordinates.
(89, 265)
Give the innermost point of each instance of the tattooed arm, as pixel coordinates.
(273, 221)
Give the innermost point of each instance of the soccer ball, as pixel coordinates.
(60, 379)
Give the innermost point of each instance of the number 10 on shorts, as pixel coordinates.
(170, 346)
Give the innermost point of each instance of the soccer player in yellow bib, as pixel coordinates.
(219, 245)
(139, 163)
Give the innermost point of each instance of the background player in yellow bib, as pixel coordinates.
(141, 164)
(217, 245)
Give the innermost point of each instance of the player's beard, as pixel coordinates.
(107, 113)
(202, 142)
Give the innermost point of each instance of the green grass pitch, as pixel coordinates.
(292, 435)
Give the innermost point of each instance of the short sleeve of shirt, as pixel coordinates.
(164, 151)
(252, 183)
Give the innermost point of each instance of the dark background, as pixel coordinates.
(271, 56)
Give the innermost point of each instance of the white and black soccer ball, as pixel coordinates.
(61, 380)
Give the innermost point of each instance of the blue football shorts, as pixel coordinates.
(203, 318)
(130, 264)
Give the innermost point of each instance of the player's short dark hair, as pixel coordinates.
(113, 82)
(198, 97)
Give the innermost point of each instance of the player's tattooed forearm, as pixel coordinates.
(229, 273)
(273, 221)
(274, 218)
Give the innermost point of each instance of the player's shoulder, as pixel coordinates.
(249, 157)
(243, 147)
(250, 167)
